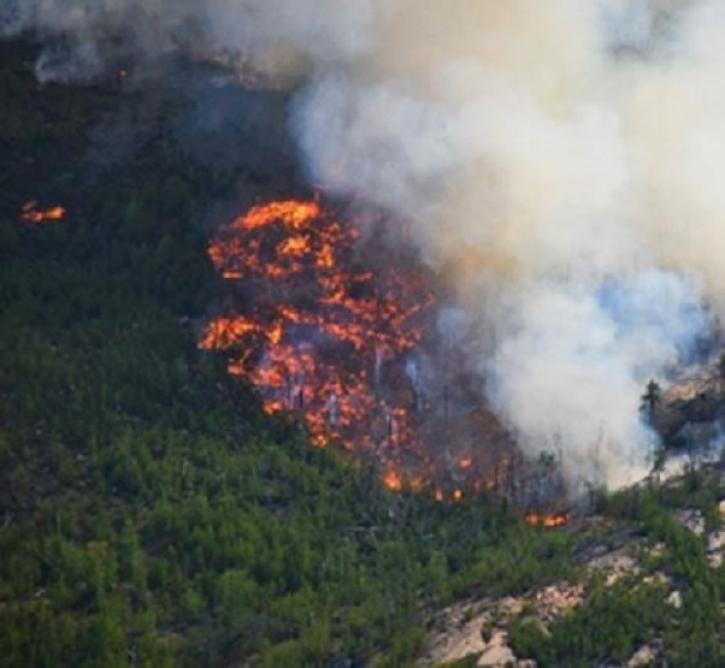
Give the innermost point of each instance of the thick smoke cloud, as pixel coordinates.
(559, 158)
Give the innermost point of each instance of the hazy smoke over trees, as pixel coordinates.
(560, 158)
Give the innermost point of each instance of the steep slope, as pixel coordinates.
(646, 589)
(150, 514)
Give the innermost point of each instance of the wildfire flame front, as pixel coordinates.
(313, 339)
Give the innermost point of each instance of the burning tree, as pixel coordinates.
(331, 323)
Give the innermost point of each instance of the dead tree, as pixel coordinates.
(651, 399)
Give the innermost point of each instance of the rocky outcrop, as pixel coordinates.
(552, 601)
(477, 628)
(692, 520)
(692, 407)
(615, 565)
(716, 548)
(608, 552)
(646, 655)
(497, 653)
(457, 633)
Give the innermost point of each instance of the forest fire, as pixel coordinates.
(326, 326)
(31, 213)
(548, 521)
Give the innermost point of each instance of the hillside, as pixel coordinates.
(151, 513)
(644, 590)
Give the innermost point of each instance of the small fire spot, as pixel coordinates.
(550, 521)
(31, 213)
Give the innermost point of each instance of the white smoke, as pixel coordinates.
(569, 371)
(560, 158)
(85, 36)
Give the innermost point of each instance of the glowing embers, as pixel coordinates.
(322, 326)
(393, 480)
(33, 214)
(549, 521)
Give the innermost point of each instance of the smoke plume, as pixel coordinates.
(559, 159)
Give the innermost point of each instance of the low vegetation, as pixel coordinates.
(618, 618)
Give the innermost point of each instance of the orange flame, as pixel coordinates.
(550, 521)
(311, 300)
(321, 319)
(393, 481)
(30, 213)
(465, 463)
